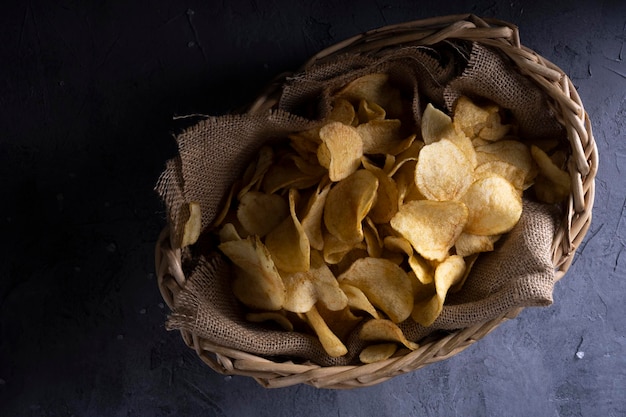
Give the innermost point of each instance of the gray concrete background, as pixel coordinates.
(87, 95)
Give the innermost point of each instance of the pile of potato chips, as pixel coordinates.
(368, 221)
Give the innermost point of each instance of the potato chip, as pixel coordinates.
(340, 322)
(335, 250)
(275, 316)
(257, 283)
(348, 203)
(343, 111)
(368, 111)
(421, 268)
(510, 151)
(357, 300)
(228, 232)
(193, 225)
(306, 288)
(469, 118)
(382, 330)
(555, 184)
(383, 137)
(421, 291)
(288, 243)
(447, 274)
(435, 125)
(264, 160)
(330, 342)
(386, 201)
(340, 151)
(512, 173)
(468, 244)
(374, 88)
(432, 227)
(348, 258)
(378, 352)
(443, 172)
(494, 205)
(384, 283)
(285, 175)
(469, 264)
(312, 217)
(494, 129)
(259, 213)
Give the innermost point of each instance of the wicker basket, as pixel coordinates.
(583, 166)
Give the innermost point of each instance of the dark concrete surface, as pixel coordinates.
(88, 91)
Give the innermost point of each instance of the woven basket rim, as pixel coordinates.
(583, 165)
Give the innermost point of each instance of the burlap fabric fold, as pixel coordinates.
(214, 152)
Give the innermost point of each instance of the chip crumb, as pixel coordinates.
(580, 354)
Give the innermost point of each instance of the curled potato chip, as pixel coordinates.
(555, 184)
(257, 283)
(313, 215)
(382, 330)
(373, 241)
(340, 151)
(368, 111)
(264, 160)
(447, 274)
(432, 227)
(288, 243)
(421, 268)
(342, 111)
(357, 300)
(318, 284)
(259, 213)
(494, 205)
(468, 244)
(494, 129)
(348, 203)
(512, 173)
(435, 124)
(510, 151)
(469, 118)
(384, 283)
(378, 352)
(228, 232)
(443, 172)
(193, 225)
(335, 249)
(285, 175)
(330, 342)
(386, 202)
(383, 137)
(374, 88)
(341, 322)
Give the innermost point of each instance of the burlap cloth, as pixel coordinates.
(214, 152)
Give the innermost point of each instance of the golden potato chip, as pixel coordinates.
(347, 259)
(382, 330)
(193, 225)
(447, 274)
(494, 205)
(275, 316)
(510, 151)
(259, 213)
(468, 244)
(312, 217)
(432, 227)
(443, 172)
(384, 283)
(340, 151)
(369, 110)
(341, 322)
(378, 352)
(316, 285)
(335, 250)
(228, 232)
(435, 124)
(348, 203)
(357, 300)
(555, 184)
(306, 143)
(469, 264)
(512, 173)
(257, 283)
(342, 111)
(374, 88)
(421, 291)
(386, 201)
(494, 129)
(469, 118)
(288, 243)
(398, 244)
(330, 342)
(421, 268)
(285, 175)
(265, 159)
(384, 137)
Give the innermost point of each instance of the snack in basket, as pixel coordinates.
(366, 222)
